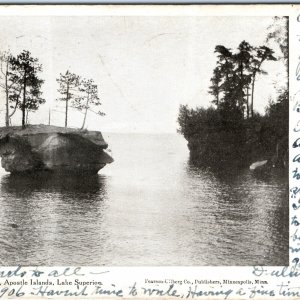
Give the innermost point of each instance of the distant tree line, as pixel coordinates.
(230, 130)
(21, 83)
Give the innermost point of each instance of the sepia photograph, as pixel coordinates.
(144, 140)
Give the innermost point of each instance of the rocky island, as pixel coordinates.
(53, 149)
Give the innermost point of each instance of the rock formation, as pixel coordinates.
(259, 165)
(52, 148)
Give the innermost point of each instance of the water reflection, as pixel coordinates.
(46, 217)
(25, 185)
(250, 211)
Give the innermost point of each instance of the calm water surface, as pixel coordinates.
(150, 207)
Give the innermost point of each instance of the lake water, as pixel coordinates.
(150, 207)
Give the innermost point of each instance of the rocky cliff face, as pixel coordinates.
(52, 148)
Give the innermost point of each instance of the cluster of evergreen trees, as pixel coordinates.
(231, 130)
(234, 78)
(82, 94)
(21, 83)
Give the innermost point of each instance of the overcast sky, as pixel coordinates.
(145, 67)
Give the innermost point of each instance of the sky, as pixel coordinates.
(145, 67)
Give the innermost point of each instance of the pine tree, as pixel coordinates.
(215, 88)
(24, 70)
(68, 88)
(89, 97)
(262, 53)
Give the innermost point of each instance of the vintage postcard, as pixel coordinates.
(150, 151)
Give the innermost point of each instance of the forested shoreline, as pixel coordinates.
(230, 131)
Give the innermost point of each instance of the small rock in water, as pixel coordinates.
(258, 164)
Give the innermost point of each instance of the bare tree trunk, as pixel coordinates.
(7, 98)
(247, 102)
(67, 105)
(241, 88)
(24, 101)
(15, 108)
(86, 110)
(253, 82)
(252, 94)
(66, 118)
